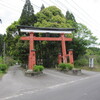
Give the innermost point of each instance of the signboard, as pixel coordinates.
(91, 62)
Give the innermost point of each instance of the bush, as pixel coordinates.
(3, 67)
(38, 68)
(1, 71)
(98, 60)
(81, 62)
(64, 66)
(69, 66)
(1, 59)
(10, 61)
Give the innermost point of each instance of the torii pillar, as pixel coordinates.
(32, 54)
(64, 58)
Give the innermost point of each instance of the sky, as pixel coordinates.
(86, 12)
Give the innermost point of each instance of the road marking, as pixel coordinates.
(55, 86)
(57, 75)
(50, 87)
(10, 97)
(63, 84)
(17, 95)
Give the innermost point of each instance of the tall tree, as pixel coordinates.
(70, 19)
(1, 44)
(27, 17)
(42, 7)
(70, 16)
(0, 21)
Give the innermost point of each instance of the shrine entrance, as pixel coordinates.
(62, 57)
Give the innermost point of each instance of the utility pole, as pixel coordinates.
(4, 53)
(0, 21)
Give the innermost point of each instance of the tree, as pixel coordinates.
(27, 16)
(84, 33)
(50, 17)
(70, 19)
(70, 16)
(10, 38)
(0, 21)
(1, 44)
(81, 40)
(42, 7)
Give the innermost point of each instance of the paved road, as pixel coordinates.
(52, 85)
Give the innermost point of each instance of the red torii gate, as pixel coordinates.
(32, 55)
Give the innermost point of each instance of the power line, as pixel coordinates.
(84, 11)
(12, 9)
(46, 3)
(34, 5)
(81, 13)
(9, 7)
(0, 21)
(56, 4)
(76, 12)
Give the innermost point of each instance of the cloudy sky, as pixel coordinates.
(85, 11)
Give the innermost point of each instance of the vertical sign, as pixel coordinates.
(91, 62)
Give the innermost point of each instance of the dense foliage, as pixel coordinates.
(67, 66)
(27, 17)
(38, 68)
(3, 68)
(91, 52)
(1, 44)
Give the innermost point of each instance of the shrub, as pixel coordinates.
(10, 61)
(3, 67)
(98, 60)
(1, 71)
(64, 66)
(69, 66)
(38, 68)
(81, 62)
(1, 59)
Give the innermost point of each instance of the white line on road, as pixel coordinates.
(63, 84)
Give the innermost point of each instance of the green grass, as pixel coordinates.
(1, 74)
(1, 60)
(96, 69)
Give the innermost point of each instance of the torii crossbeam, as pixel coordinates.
(31, 30)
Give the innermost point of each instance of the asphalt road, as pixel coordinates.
(52, 85)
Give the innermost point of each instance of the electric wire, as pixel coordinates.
(33, 5)
(9, 7)
(58, 4)
(84, 11)
(55, 3)
(46, 3)
(78, 17)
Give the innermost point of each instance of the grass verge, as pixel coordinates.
(1, 74)
(96, 69)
